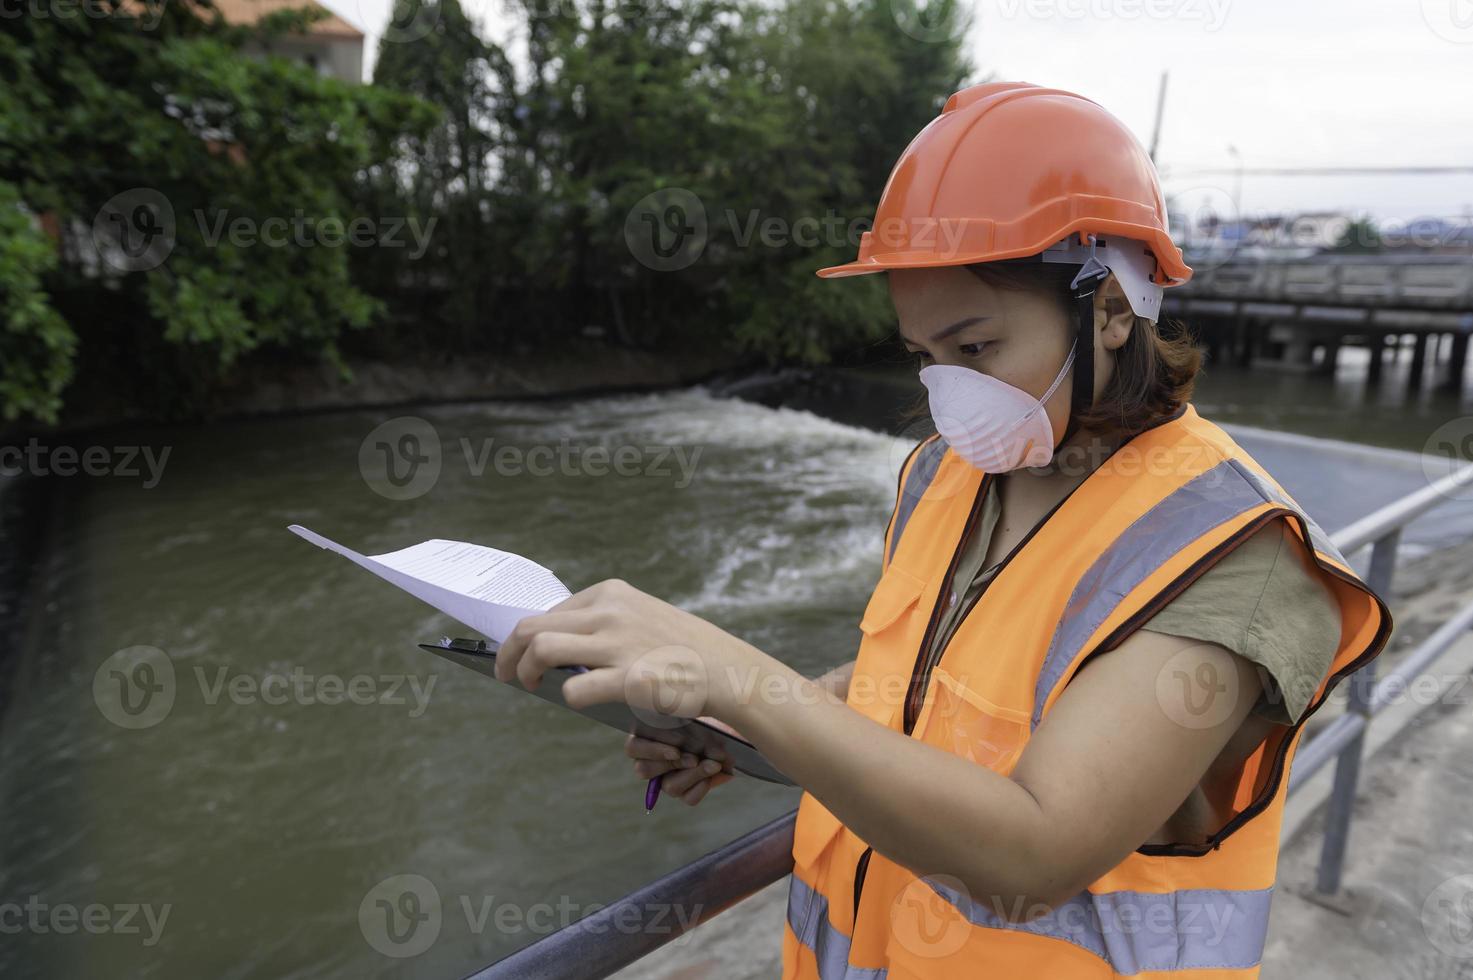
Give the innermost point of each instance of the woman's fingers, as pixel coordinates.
(680, 781)
(514, 648)
(698, 792)
(548, 650)
(647, 748)
(650, 768)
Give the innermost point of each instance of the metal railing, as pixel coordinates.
(598, 945)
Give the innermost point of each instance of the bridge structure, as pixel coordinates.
(1285, 310)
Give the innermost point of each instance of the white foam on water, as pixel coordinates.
(797, 502)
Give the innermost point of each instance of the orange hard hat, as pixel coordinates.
(1007, 170)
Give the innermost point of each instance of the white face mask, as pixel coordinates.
(989, 423)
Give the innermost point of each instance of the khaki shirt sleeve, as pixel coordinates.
(1264, 601)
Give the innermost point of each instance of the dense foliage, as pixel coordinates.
(657, 174)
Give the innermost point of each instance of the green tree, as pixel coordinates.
(167, 109)
(445, 174)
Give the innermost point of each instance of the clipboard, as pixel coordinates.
(689, 735)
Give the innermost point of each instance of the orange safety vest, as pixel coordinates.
(1156, 514)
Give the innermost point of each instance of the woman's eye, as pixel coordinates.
(972, 350)
(920, 355)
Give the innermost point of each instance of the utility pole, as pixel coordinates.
(1160, 108)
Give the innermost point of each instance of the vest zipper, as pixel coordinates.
(927, 660)
(921, 666)
(859, 871)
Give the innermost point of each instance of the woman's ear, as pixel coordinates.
(1113, 315)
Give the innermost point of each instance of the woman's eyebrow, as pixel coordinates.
(945, 332)
(957, 327)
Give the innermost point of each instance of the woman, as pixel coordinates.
(1061, 750)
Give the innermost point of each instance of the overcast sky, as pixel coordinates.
(1287, 83)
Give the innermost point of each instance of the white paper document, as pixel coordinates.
(486, 589)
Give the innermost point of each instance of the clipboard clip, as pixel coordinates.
(475, 647)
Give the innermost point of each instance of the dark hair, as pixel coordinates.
(1155, 371)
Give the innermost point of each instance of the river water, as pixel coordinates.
(253, 827)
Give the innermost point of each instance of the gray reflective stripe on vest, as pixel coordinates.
(1141, 932)
(1192, 510)
(922, 472)
(1318, 539)
(808, 917)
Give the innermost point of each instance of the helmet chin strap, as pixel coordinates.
(1091, 274)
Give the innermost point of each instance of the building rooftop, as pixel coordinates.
(251, 11)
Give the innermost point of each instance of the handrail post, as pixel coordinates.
(1347, 767)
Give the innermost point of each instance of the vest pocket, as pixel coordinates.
(896, 591)
(963, 722)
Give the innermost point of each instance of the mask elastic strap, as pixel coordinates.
(1082, 288)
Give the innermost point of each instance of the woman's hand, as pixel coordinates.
(686, 776)
(638, 649)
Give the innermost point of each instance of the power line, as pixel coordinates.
(1316, 171)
